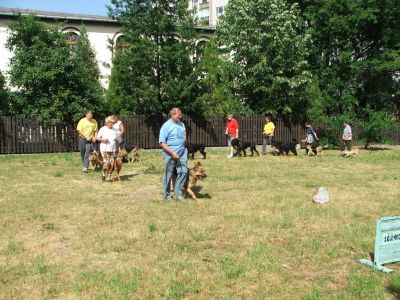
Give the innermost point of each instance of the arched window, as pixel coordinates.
(72, 43)
(121, 43)
(200, 48)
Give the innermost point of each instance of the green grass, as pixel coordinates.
(254, 233)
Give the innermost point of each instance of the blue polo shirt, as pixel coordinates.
(173, 134)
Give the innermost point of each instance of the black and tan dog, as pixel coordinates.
(241, 147)
(195, 174)
(284, 148)
(312, 149)
(95, 159)
(130, 153)
(193, 148)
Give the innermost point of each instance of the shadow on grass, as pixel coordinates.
(394, 290)
(376, 149)
(197, 189)
(127, 176)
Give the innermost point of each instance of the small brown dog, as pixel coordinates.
(112, 165)
(350, 153)
(195, 174)
(95, 159)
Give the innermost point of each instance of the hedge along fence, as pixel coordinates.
(23, 135)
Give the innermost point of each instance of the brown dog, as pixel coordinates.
(312, 149)
(131, 153)
(95, 159)
(350, 153)
(195, 174)
(111, 165)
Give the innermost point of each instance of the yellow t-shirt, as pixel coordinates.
(88, 127)
(269, 128)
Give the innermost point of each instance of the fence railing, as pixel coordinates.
(22, 135)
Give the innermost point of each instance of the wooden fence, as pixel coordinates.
(22, 135)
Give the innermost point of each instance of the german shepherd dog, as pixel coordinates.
(313, 149)
(112, 164)
(193, 148)
(241, 146)
(283, 148)
(130, 153)
(197, 173)
(95, 159)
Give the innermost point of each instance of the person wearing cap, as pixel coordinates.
(87, 129)
(231, 131)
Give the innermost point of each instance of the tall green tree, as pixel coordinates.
(4, 96)
(155, 72)
(356, 53)
(216, 93)
(267, 44)
(53, 86)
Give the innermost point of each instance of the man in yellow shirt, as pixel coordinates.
(87, 128)
(268, 133)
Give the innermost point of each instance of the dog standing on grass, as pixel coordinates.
(241, 147)
(350, 153)
(193, 148)
(283, 148)
(197, 173)
(312, 149)
(130, 153)
(95, 159)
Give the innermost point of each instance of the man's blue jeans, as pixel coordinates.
(85, 147)
(181, 168)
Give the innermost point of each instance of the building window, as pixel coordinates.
(121, 43)
(220, 10)
(200, 48)
(72, 43)
(204, 21)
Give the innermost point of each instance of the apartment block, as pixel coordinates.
(208, 11)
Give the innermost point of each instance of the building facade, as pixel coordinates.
(208, 11)
(103, 32)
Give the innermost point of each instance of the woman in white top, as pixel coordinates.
(107, 136)
(120, 128)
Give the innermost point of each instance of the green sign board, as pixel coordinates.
(387, 243)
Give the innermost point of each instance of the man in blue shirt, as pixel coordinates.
(172, 141)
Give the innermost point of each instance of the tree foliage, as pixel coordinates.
(53, 86)
(155, 72)
(267, 44)
(215, 77)
(356, 53)
(4, 96)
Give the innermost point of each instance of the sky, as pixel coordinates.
(92, 7)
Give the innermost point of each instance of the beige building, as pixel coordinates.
(208, 11)
(101, 31)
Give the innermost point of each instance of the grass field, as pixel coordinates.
(255, 234)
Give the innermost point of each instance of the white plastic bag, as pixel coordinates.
(321, 195)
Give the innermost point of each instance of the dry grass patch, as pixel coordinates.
(255, 234)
